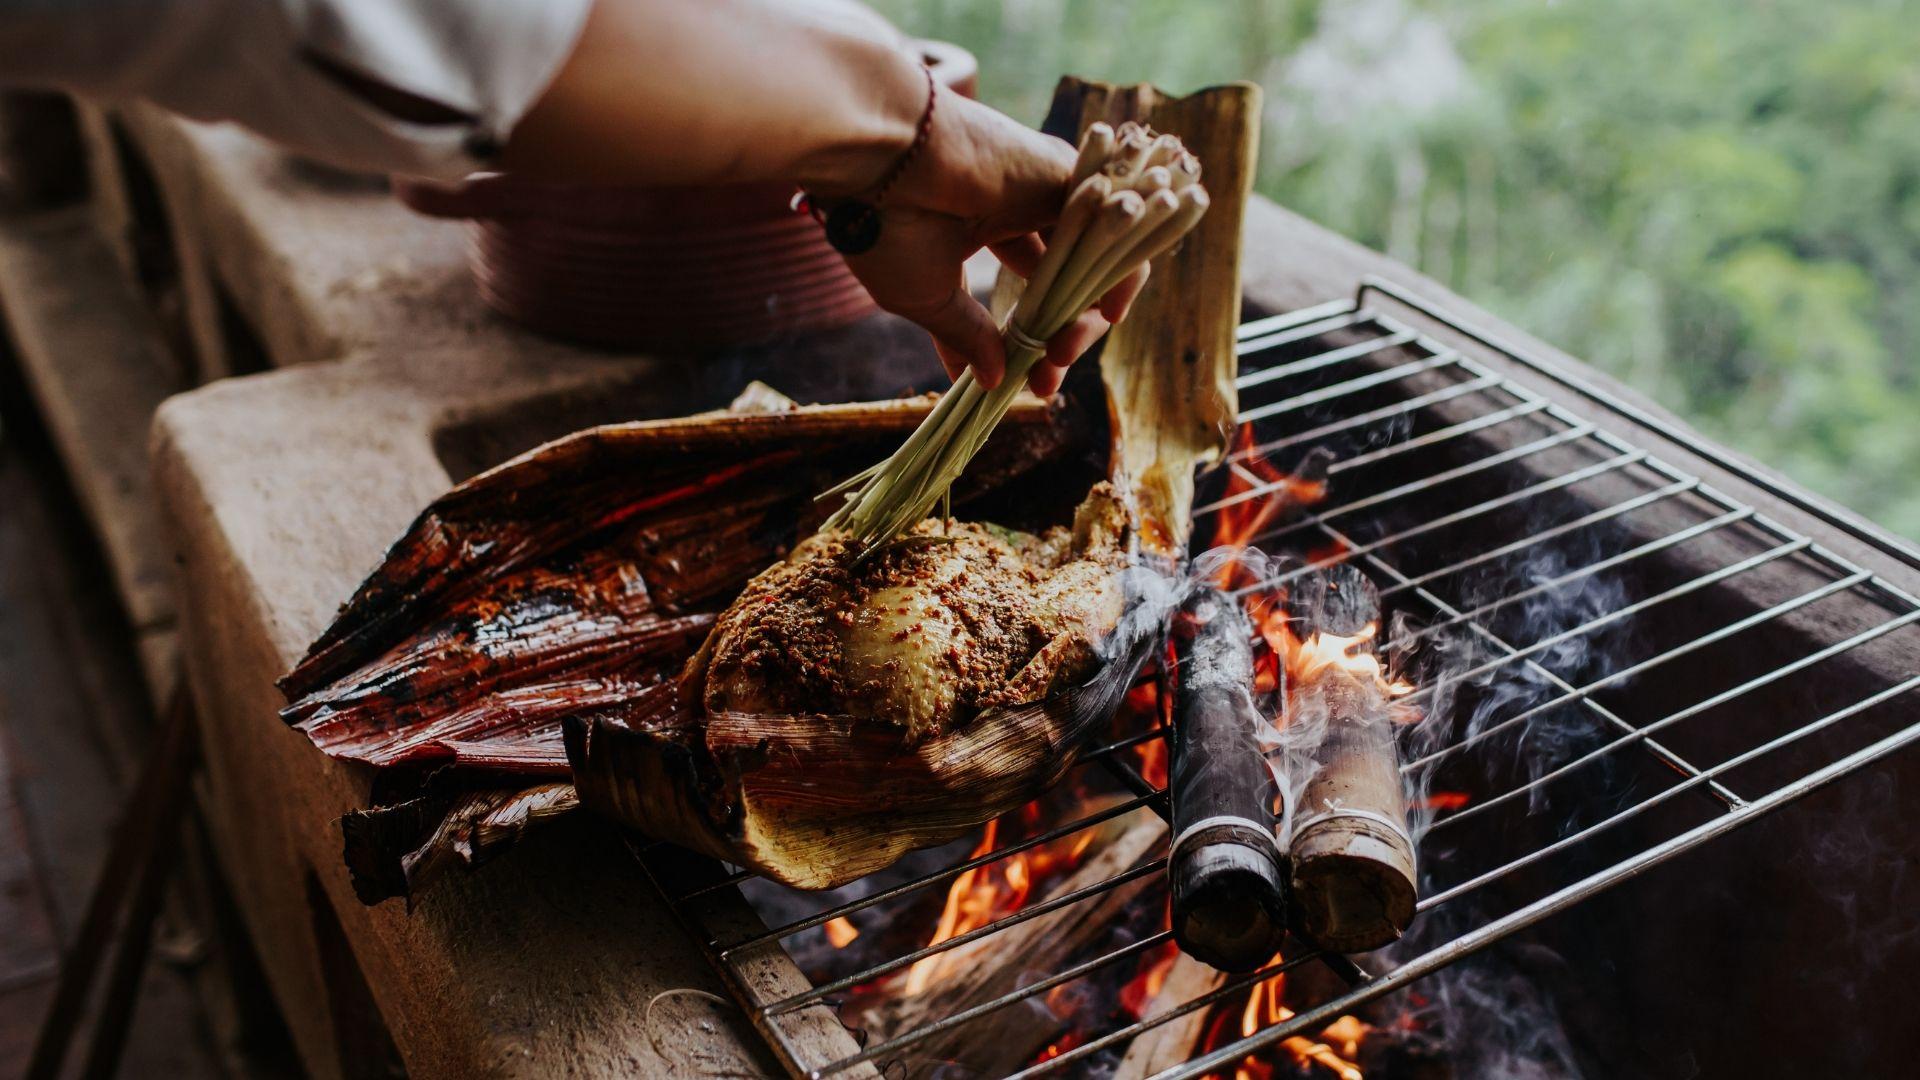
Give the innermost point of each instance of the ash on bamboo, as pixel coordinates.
(1226, 871)
(1353, 863)
(1134, 194)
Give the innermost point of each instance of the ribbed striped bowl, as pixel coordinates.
(658, 268)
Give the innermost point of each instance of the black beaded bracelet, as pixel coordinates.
(853, 225)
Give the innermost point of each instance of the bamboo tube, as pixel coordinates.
(1227, 875)
(1353, 862)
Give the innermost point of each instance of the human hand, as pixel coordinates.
(981, 180)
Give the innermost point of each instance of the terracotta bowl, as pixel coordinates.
(655, 268)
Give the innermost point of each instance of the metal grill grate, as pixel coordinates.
(1440, 452)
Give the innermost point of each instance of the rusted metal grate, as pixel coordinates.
(1451, 474)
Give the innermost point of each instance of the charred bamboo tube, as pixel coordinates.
(1225, 869)
(1353, 863)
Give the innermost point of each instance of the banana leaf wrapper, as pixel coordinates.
(573, 582)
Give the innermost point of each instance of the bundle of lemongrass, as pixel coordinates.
(1134, 195)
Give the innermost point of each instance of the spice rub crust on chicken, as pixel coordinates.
(946, 621)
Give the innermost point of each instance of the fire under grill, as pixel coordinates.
(1618, 663)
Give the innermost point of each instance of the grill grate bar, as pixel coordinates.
(948, 874)
(1617, 510)
(1032, 911)
(1456, 517)
(1351, 386)
(1538, 446)
(1755, 683)
(1584, 693)
(1706, 776)
(1281, 336)
(1128, 743)
(1388, 412)
(1041, 986)
(1324, 360)
(1219, 993)
(1670, 540)
(726, 882)
(1712, 577)
(1432, 438)
(1253, 329)
(1474, 940)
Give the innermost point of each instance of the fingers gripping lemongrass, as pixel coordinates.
(1135, 195)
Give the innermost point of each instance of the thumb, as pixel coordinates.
(965, 336)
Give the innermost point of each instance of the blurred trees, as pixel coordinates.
(1716, 201)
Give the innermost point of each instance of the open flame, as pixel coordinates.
(1146, 706)
(1244, 517)
(1266, 1008)
(1147, 983)
(998, 889)
(841, 932)
(1307, 660)
(1335, 1052)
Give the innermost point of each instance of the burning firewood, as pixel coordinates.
(1172, 1043)
(1226, 870)
(1353, 863)
(1000, 963)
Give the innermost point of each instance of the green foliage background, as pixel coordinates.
(1717, 201)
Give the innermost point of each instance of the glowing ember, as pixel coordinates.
(841, 932)
(1344, 1035)
(1066, 1043)
(1143, 988)
(1142, 708)
(1445, 800)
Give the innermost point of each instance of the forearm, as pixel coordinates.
(818, 92)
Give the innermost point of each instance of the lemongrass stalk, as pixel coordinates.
(1132, 198)
(1096, 146)
(1079, 212)
(927, 429)
(1186, 170)
(1063, 301)
(1165, 149)
(1154, 211)
(1193, 205)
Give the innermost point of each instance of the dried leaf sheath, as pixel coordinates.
(562, 582)
(818, 801)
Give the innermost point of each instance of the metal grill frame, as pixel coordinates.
(790, 1013)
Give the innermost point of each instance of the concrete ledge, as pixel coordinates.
(98, 369)
(281, 490)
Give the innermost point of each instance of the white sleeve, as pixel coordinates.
(276, 66)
